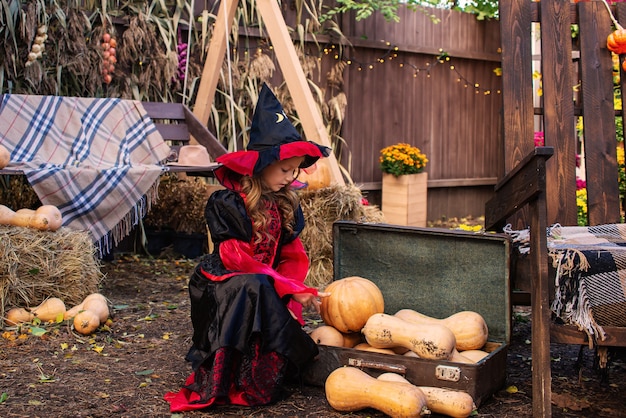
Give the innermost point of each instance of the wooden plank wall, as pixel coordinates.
(438, 109)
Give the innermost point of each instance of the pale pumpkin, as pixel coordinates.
(351, 389)
(448, 402)
(469, 327)
(351, 302)
(327, 335)
(429, 341)
(5, 157)
(16, 316)
(51, 309)
(86, 322)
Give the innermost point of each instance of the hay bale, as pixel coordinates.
(321, 209)
(35, 265)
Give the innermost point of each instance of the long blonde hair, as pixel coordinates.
(256, 196)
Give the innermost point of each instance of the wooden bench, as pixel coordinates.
(177, 125)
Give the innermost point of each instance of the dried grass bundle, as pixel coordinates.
(321, 209)
(35, 265)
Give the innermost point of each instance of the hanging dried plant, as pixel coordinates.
(335, 75)
(261, 66)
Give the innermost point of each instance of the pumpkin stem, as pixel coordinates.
(615, 22)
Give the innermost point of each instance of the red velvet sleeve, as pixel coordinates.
(288, 278)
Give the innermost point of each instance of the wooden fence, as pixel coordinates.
(432, 85)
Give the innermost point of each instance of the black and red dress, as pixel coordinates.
(245, 342)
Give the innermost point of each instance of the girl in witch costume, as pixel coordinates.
(247, 296)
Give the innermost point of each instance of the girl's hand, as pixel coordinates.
(309, 299)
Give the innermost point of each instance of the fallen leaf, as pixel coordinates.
(512, 389)
(567, 401)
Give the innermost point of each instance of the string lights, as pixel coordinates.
(391, 55)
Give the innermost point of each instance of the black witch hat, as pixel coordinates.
(272, 138)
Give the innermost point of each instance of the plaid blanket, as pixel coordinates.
(590, 280)
(95, 159)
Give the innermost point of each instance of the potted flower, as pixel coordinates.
(405, 184)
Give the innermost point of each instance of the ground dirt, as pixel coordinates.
(124, 369)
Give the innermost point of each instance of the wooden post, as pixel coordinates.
(308, 111)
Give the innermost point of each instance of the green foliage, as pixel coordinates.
(483, 9)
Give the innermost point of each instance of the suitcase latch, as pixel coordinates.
(449, 373)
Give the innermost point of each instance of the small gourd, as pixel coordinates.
(86, 322)
(469, 327)
(351, 389)
(351, 302)
(50, 309)
(429, 341)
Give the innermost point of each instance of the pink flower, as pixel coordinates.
(539, 139)
(580, 183)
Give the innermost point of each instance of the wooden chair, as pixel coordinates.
(539, 187)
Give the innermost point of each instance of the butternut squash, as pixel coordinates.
(469, 327)
(453, 403)
(460, 358)
(351, 389)
(16, 316)
(367, 347)
(475, 355)
(5, 157)
(327, 335)
(52, 214)
(86, 322)
(51, 309)
(71, 313)
(448, 402)
(430, 341)
(99, 307)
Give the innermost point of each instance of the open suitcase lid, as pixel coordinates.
(437, 272)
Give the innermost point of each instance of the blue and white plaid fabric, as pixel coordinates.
(97, 160)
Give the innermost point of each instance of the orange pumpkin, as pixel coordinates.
(351, 302)
(616, 41)
(317, 177)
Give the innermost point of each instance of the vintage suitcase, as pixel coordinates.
(437, 272)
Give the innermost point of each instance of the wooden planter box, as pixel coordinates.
(404, 199)
(437, 272)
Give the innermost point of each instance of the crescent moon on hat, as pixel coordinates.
(279, 117)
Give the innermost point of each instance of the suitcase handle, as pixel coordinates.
(387, 367)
